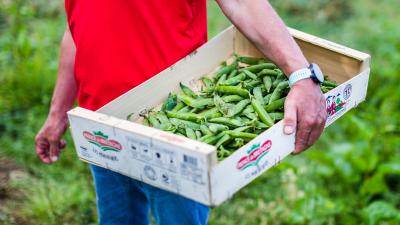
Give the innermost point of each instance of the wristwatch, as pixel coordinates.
(312, 71)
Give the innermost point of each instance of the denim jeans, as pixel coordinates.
(122, 200)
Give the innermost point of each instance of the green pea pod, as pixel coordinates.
(268, 72)
(257, 68)
(239, 107)
(185, 89)
(232, 74)
(276, 116)
(275, 105)
(208, 83)
(205, 130)
(222, 79)
(250, 74)
(184, 123)
(146, 122)
(262, 114)
(223, 153)
(260, 125)
(215, 127)
(267, 97)
(232, 90)
(276, 94)
(213, 139)
(210, 113)
(198, 134)
(258, 94)
(242, 129)
(178, 107)
(195, 103)
(234, 80)
(225, 70)
(232, 98)
(169, 103)
(325, 89)
(226, 121)
(223, 140)
(184, 109)
(184, 116)
(153, 120)
(251, 60)
(243, 135)
(267, 83)
(329, 83)
(251, 84)
(190, 133)
(237, 143)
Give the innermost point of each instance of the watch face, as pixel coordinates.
(317, 72)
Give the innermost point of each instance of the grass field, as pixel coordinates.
(351, 176)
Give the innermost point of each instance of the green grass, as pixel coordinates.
(351, 176)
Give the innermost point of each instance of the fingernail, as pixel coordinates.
(288, 130)
(54, 158)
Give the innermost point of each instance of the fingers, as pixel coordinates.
(62, 144)
(302, 136)
(42, 150)
(290, 119)
(54, 150)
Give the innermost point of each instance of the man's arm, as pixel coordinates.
(48, 140)
(305, 104)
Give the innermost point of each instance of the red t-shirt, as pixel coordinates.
(121, 43)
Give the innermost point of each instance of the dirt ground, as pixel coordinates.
(10, 197)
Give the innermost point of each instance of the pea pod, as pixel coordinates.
(243, 135)
(262, 114)
(195, 103)
(170, 103)
(276, 116)
(276, 94)
(208, 83)
(215, 127)
(146, 122)
(184, 116)
(225, 70)
(232, 98)
(232, 74)
(251, 60)
(275, 105)
(223, 140)
(232, 90)
(329, 83)
(267, 83)
(178, 107)
(213, 139)
(234, 80)
(211, 113)
(187, 91)
(190, 133)
(257, 68)
(227, 121)
(184, 123)
(237, 143)
(233, 111)
(205, 130)
(184, 109)
(250, 74)
(222, 79)
(268, 72)
(258, 95)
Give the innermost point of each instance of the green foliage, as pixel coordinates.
(351, 176)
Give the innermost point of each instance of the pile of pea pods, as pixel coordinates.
(240, 101)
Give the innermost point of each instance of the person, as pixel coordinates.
(110, 47)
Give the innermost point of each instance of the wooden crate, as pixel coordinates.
(188, 167)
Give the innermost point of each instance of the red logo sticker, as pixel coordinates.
(101, 140)
(254, 155)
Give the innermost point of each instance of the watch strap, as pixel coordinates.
(299, 75)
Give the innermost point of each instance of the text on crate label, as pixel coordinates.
(254, 155)
(101, 140)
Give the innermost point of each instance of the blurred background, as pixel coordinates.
(351, 176)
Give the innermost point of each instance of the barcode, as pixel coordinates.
(190, 160)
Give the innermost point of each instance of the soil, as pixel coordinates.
(10, 197)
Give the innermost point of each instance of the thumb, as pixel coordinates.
(54, 151)
(290, 118)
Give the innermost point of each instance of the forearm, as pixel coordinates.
(65, 89)
(258, 21)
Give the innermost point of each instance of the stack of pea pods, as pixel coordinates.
(240, 101)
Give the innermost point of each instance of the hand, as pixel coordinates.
(305, 113)
(48, 140)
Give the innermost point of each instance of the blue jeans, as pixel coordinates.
(122, 200)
